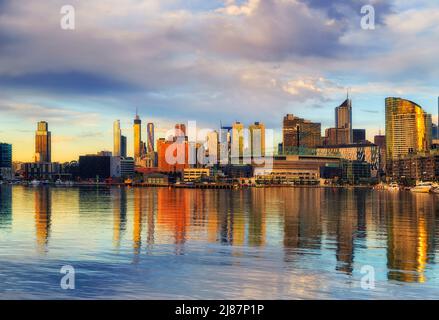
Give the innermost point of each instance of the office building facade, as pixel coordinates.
(299, 133)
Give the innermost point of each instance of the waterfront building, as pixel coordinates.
(296, 169)
(257, 139)
(137, 128)
(43, 149)
(150, 135)
(126, 167)
(99, 167)
(408, 128)
(236, 171)
(42, 170)
(298, 133)
(356, 172)
(366, 152)
(123, 146)
(117, 143)
(156, 179)
(5, 161)
(414, 168)
(177, 153)
(195, 174)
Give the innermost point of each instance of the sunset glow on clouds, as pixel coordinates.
(208, 61)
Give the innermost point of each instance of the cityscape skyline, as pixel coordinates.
(143, 148)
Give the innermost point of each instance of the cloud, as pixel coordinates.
(34, 113)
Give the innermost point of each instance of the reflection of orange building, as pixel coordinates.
(42, 216)
(173, 212)
(137, 219)
(177, 152)
(119, 214)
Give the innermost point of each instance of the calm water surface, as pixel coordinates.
(283, 243)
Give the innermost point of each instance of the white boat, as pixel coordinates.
(422, 187)
(35, 183)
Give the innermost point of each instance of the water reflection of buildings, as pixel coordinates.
(302, 220)
(43, 211)
(410, 236)
(119, 214)
(173, 214)
(5, 207)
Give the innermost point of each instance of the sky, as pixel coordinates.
(208, 61)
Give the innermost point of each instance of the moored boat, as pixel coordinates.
(35, 182)
(422, 187)
(393, 187)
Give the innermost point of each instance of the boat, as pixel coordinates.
(393, 187)
(35, 183)
(435, 190)
(422, 187)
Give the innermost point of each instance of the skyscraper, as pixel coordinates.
(116, 139)
(298, 132)
(137, 128)
(5, 161)
(43, 143)
(123, 146)
(213, 146)
(408, 128)
(150, 134)
(237, 139)
(5, 155)
(343, 119)
(257, 139)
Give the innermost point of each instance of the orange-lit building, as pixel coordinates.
(178, 155)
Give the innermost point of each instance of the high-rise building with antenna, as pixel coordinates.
(137, 128)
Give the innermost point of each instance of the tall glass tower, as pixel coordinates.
(150, 133)
(343, 119)
(116, 139)
(408, 128)
(137, 128)
(43, 149)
